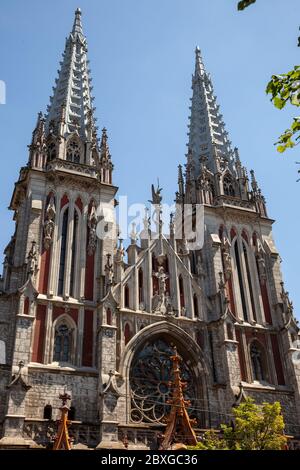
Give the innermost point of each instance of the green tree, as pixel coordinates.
(283, 88)
(257, 427)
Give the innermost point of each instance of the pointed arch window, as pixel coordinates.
(249, 281)
(240, 278)
(258, 362)
(228, 186)
(63, 343)
(73, 253)
(63, 247)
(51, 151)
(73, 151)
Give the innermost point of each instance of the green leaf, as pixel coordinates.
(278, 102)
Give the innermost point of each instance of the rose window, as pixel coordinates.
(150, 377)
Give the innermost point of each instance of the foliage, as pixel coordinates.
(283, 89)
(257, 427)
(244, 4)
(210, 441)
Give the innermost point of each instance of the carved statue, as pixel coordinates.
(32, 261)
(226, 258)
(156, 197)
(109, 272)
(261, 267)
(49, 223)
(161, 300)
(92, 224)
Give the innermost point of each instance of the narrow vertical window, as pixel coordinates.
(249, 282)
(62, 262)
(141, 285)
(108, 316)
(73, 253)
(47, 412)
(126, 296)
(62, 344)
(240, 277)
(181, 291)
(196, 310)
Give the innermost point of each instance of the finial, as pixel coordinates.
(199, 65)
(253, 181)
(77, 26)
(236, 154)
(133, 234)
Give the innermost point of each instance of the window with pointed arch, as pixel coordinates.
(228, 186)
(73, 151)
(63, 343)
(258, 362)
(51, 151)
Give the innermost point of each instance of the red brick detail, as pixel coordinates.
(39, 334)
(232, 233)
(89, 277)
(26, 306)
(266, 303)
(87, 345)
(58, 311)
(108, 317)
(127, 333)
(64, 200)
(78, 203)
(44, 271)
(245, 236)
(277, 360)
(229, 289)
(241, 354)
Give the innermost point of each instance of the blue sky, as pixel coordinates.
(142, 58)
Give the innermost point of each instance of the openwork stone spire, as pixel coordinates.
(207, 134)
(71, 103)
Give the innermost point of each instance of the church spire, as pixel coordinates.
(207, 135)
(71, 108)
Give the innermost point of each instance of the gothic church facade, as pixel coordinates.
(76, 314)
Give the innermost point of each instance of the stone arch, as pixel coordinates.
(260, 365)
(193, 359)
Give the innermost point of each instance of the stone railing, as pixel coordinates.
(43, 432)
(70, 167)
